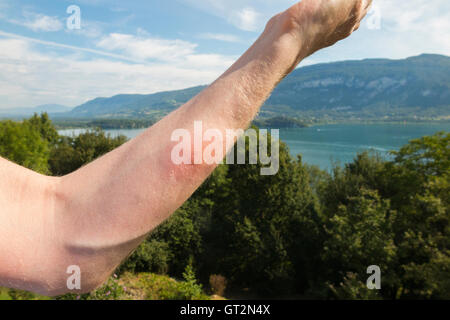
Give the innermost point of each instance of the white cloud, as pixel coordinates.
(39, 22)
(44, 23)
(140, 47)
(426, 21)
(209, 61)
(65, 46)
(247, 15)
(30, 77)
(405, 16)
(177, 52)
(220, 37)
(90, 29)
(246, 19)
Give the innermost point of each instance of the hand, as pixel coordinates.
(311, 25)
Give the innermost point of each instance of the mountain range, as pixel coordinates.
(377, 87)
(372, 88)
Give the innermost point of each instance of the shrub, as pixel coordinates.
(164, 288)
(111, 290)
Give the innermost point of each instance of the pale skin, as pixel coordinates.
(95, 217)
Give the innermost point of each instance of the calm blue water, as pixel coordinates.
(325, 144)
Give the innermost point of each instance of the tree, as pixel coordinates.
(71, 153)
(359, 234)
(150, 256)
(182, 236)
(44, 125)
(422, 226)
(259, 224)
(395, 212)
(23, 144)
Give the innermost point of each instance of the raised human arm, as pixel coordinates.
(96, 216)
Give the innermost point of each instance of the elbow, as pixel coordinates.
(66, 269)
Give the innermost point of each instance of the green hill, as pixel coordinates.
(134, 105)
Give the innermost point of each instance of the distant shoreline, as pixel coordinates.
(112, 124)
(382, 122)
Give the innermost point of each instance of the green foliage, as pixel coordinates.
(301, 232)
(111, 290)
(394, 214)
(182, 236)
(14, 294)
(190, 289)
(23, 144)
(352, 288)
(313, 234)
(422, 227)
(145, 286)
(253, 217)
(359, 234)
(150, 256)
(44, 125)
(279, 122)
(163, 288)
(71, 153)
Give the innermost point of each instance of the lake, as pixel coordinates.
(324, 144)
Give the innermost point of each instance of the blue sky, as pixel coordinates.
(139, 46)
